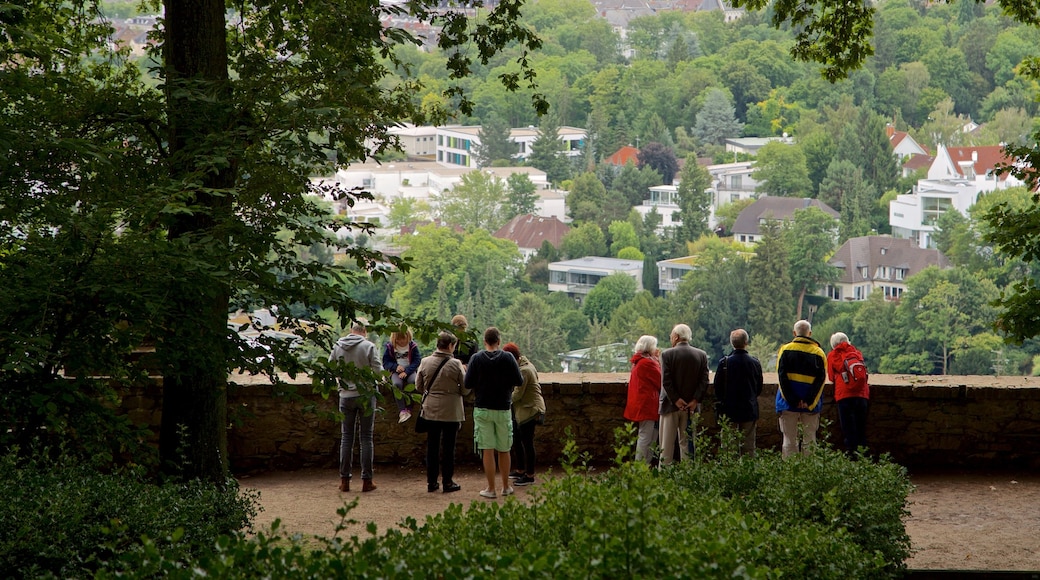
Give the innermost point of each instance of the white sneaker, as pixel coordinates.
(507, 491)
(405, 415)
(488, 493)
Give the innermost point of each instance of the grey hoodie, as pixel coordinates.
(356, 349)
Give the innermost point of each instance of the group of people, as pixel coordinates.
(508, 404)
(666, 387)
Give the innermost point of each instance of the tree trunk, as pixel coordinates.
(801, 300)
(193, 347)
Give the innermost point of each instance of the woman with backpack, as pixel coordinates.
(846, 369)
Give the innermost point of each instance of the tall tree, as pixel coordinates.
(495, 145)
(660, 158)
(717, 119)
(589, 201)
(584, 240)
(845, 190)
(633, 183)
(694, 201)
(530, 324)
(782, 170)
(547, 150)
(607, 295)
(770, 306)
(197, 175)
(809, 239)
(523, 195)
(478, 202)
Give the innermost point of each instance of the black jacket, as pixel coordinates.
(738, 383)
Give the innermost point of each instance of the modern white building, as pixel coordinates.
(956, 178)
(577, 277)
(671, 272)
(665, 200)
(457, 144)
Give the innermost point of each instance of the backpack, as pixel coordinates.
(855, 372)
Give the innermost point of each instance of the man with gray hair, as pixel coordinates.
(356, 350)
(684, 382)
(738, 383)
(801, 368)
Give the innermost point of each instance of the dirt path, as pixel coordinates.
(958, 521)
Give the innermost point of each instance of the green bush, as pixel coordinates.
(761, 518)
(64, 520)
(864, 499)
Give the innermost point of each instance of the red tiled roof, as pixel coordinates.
(985, 162)
(529, 231)
(916, 162)
(622, 156)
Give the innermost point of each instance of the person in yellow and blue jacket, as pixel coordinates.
(802, 368)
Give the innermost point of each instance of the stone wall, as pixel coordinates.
(971, 422)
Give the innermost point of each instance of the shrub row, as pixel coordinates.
(60, 519)
(822, 516)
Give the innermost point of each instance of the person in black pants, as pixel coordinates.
(528, 412)
(442, 381)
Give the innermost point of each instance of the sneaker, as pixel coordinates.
(450, 487)
(508, 491)
(516, 475)
(432, 487)
(488, 493)
(525, 480)
(405, 415)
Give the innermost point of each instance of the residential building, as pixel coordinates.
(417, 141)
(975, 164)
(530, 231)
(457, 144)
(577, 277)
(915, 215)
(956, 178)
(671, 272)
(732, 182)
(665, 200)
(903, 144)
(878, 264)
(748, 226)
(623, 156)
(751, 145)
(611, 357)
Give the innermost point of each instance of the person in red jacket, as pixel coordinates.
(851, 391)
(644, 391)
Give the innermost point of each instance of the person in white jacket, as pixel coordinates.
(356, 349)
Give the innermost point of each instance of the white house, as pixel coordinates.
(903, 144)
(955, 179)
(577, 277)
(664, 199)
(457, 144)
(878, 264)
(417, 141)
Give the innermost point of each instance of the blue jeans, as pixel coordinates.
(355, 415)
(852, 414)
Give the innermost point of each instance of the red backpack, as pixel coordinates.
(855, 372)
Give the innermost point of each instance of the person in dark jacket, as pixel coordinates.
(801, 369)
(684, 382)
(738, 383)
(492, 374)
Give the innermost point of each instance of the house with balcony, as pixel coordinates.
(870, 264)
(671, 272)
(577, 277)
(665, 200)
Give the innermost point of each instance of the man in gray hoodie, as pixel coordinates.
(355, 349)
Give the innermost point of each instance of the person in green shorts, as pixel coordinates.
(492, 374)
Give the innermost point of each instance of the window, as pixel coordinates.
(858, 293)
(736, 181)
(900, 272)
(834, 292)
(864, 272)
(932, 208)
